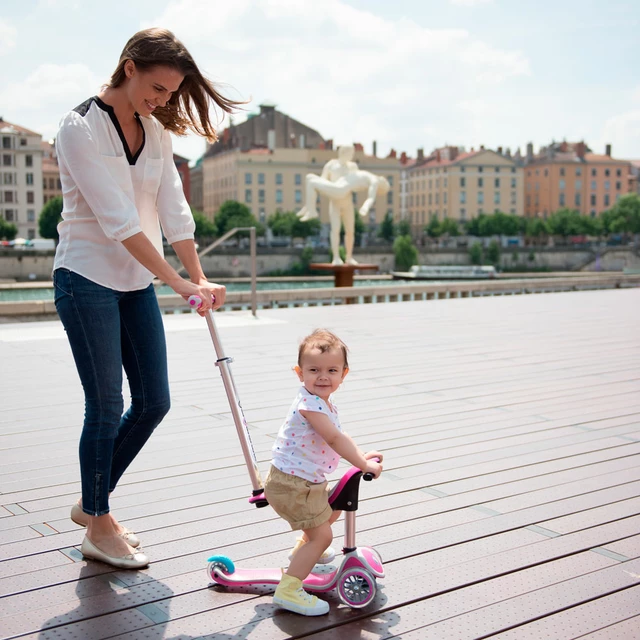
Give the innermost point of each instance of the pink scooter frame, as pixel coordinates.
(355, 578)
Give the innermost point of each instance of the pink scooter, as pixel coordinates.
(355, 578)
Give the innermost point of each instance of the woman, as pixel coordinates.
(120, 188)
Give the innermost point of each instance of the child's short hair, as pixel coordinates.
(323, 340)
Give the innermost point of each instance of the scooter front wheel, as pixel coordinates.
(357, 588)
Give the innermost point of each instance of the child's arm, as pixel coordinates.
(342, 443)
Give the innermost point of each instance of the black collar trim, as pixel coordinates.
(132, 159)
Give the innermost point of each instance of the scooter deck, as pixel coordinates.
(250, 577)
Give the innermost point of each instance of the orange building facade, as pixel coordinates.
(570, 175)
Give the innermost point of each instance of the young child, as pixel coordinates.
(309, 445)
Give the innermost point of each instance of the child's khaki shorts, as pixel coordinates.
(303, 504)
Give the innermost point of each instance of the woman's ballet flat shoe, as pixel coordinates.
(130, 561)
(80, 518)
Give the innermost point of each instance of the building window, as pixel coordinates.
(430, 200)
(528, 201)
(606, 199)
(247, 178)
(463, 214)
(52, 183)
(463, 181)
(480, 197)
(6, 160)
(496, 183)
(513, 183)
(513, 197)
(31, 215)
(578, 185)
(261, 178)
(562, 201)
(261, 213)
(561, 171)
(463, 197)
(390, 197)
(28, 160)
(260, 195)
(463, 169)
(444, 198)
(497, 169)
(578, 200)
(31, 234)
(298, 179)
(6, 142)
(247, 195)
(593, 185)
(593, 199)
(561, 184)
(8, 216)
(8, 196)
(513, 169)
(390, 180)
(496, 197)
(607, 185)
(618, 186)
(593, 213)
(298, 196)
(480, 169)
(546, 172)
(44, 183)
(480, 182)
(29, 178)
(23, 142)
(279, 194)
(607, 173)
(594, 173)
(7, 178)
(278, 178)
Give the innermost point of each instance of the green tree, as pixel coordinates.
(404, 228)
(536, 228)
(476, 253)
(305, 228)
(281, 223)
(433, 229)
(449, 227)
(565, 222)
(235, 214)
(49, 218)
(8, 231)
(204, 227)
(405, 252)
(624, 216)
(493, 253)
(387, 228)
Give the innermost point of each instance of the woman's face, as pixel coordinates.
(152, 88)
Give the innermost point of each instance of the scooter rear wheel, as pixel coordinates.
(357, 588)
(223, 564)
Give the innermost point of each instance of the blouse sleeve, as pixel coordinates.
(113, 208)
(313, 403)
(173, 209)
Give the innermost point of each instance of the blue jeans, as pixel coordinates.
(109, 330)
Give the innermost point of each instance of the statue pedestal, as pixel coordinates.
(343, 273)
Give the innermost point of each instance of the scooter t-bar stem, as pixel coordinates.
(239, 420)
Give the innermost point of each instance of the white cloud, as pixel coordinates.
(349, 73)
(8, 37)
(470, 3)
(51, 89)
(622, 131)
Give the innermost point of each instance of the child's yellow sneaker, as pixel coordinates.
(327, 556)
(291, 596)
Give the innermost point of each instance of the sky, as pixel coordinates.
(408, 74)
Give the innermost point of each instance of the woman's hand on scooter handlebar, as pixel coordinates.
(214, 293)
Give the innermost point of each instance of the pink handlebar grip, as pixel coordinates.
(196, 301)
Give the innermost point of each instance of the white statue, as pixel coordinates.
(340, 178)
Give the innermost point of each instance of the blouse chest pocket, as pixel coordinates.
(152, 175)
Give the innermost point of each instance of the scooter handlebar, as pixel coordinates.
(369, 476)
(196, 301)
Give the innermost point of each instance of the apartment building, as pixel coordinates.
(21, 195)
(453, 183)
(263, 163)
(51, 186)
(565, 174)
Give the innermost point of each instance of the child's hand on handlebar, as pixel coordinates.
(374, 463)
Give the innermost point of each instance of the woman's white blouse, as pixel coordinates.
(110, 195)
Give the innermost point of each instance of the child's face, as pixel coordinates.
(322, 373)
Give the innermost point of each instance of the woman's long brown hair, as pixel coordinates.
(159, 47)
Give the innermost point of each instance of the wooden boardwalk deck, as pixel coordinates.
(509, 507)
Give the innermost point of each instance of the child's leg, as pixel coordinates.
(318, 539)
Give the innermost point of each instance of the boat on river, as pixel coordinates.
(438, 272)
